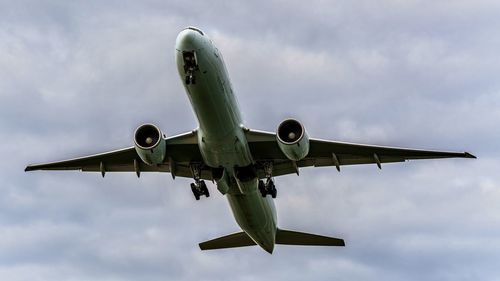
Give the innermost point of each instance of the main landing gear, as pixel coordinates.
(268, 187)
(199, 187)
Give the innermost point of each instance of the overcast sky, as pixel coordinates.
(77, 77)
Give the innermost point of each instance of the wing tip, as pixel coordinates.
(468, 155)
(28, 168)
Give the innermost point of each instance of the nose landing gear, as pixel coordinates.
(190, 66)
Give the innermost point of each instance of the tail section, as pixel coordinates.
(283, 237)
(287, 237)
(240, 239)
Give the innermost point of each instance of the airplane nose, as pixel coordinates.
(188, 39)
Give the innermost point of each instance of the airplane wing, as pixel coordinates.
(181, 151)
(322, 153)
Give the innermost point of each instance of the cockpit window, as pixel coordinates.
(195, 29)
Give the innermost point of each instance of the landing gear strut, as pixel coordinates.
(199, 187)
(268, 187)
(190, 66)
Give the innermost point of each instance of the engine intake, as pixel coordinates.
(293, 139)
(150, 144)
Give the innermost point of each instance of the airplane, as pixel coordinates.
(242, 162)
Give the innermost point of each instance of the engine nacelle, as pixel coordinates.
(150, 144)
(293, 139)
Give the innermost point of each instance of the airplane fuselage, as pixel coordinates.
(238, 159)
(221, 135)
(241, 161)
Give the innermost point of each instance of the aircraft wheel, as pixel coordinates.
(204, 189)
(274, 192)
(188, 80)
(195, 191)
(262, 188)
(271, 188)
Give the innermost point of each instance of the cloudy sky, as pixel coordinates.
(77, 77)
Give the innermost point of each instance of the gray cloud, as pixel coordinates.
(78, 77)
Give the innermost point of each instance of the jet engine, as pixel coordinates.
(293, 139)
(150, 144)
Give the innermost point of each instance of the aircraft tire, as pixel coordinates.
(262, 188)
(195, 191)
(204, 189)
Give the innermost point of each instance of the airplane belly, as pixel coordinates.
(229, 152)
(256, 216)
(220, 136)
(210, 94)
(211, 106)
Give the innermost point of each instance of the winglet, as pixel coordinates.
(468, 155)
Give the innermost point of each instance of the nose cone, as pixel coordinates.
(189, 39)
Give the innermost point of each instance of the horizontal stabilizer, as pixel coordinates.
(239, 239)
(283, 237)
(287, 237)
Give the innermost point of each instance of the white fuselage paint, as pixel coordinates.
(221, 135)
